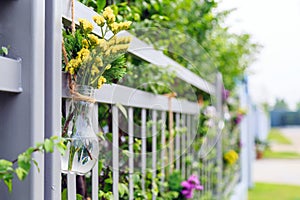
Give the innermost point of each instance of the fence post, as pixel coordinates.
(219, 88)
(115, 151)
(131, 152)
(144, 148)
(154, 149)
(53, 87)
(177, 144)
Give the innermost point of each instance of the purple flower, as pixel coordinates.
(225, 94)
(238, 119)
(190, 185)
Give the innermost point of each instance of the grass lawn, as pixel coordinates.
(281, 155)
(276, 136)
(266, 191)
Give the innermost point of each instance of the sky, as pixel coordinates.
(275, 24)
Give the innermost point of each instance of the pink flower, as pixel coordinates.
(190, 185)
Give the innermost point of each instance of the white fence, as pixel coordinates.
(41, 102)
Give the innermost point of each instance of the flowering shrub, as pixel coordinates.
(230, 157)
(191, 184)
(90, 55)
(239, 116)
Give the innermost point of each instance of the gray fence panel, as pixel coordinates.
(53, 89)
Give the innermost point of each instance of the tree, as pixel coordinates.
(298, 106)
(280, 104)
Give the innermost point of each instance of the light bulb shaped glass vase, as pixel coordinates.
(81, 141)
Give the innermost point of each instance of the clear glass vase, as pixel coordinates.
(81, 141)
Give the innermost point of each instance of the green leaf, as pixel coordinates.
(24, 161)
(101, 135)
(64, 195)
(100, 165)
(21, 173)
(4, 50)
(79, 197)
(122, 109)
(100, 5)
(108, 180)
(8, 183)
(54, 137)
(29, 151)
(48, 145)
(37, 165)
(126, 153)
(109, 136)
(61, 147)
(122, 189)
(5, 164)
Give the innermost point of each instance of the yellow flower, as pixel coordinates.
(85, 43)
(108, 67)
(103, 44)
(114, 27)
(99, 20)
(231, 157)
(123, 40)
(126, 25)
(86, 25)
(94, 70)
(71, 70)
(107, 12)
(111, 18)
(99, 61)
(94, 39)
(73, 63)
(101, 80)
(119, 48)
(84, 55)
(242, 111)
(107, 52)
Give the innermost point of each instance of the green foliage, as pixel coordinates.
(115, 73)
(3, 51)
(25, 159)
(277, 136)
(280, 104)
(264, 191)
(98, 5)
(281, 154)
(64, 195)
(194, 37)
(174, 181)
(148, 77)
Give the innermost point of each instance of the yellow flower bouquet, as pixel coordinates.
(86, 58)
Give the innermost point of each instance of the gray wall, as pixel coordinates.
(22, 115)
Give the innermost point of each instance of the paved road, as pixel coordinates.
(279, 170)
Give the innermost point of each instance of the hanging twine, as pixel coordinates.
(73, 17)
(72, 84)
